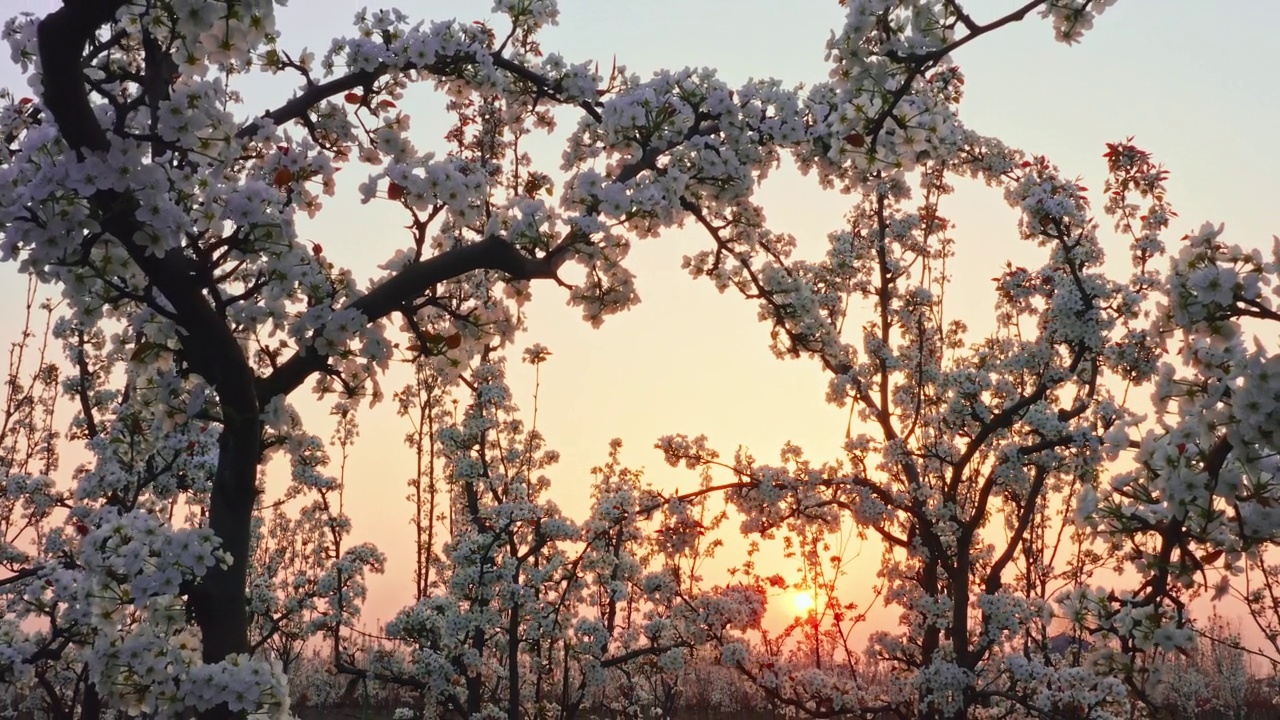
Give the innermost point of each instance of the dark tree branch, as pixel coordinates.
(301, 104)
(492, 253)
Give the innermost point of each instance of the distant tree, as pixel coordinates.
(1214, 677)
(982, 453)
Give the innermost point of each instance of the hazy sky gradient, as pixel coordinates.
(1193, 80)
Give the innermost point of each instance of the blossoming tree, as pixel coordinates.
(165, 209)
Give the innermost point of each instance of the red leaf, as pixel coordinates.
(353, 98)
(395, 190)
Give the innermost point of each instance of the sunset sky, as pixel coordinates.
(1193, 81)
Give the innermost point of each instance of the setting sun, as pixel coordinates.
(803, 602)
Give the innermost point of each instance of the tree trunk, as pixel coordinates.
(219, 599)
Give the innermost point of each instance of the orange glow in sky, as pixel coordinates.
(802, 601)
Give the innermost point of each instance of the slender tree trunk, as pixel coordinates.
(220, 602)
(475, 694)
(90, 702)
(513, 663)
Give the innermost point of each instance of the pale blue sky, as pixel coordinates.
(1193, 80)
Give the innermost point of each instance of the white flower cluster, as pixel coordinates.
(529, 15)
(1073, 18)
